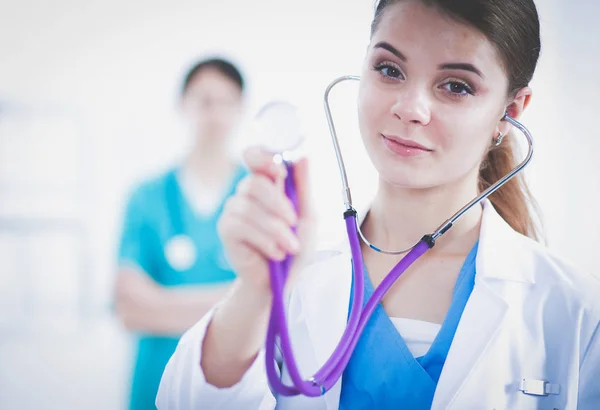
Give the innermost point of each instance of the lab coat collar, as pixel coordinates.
(503, 253)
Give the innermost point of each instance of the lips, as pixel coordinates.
(406, 143)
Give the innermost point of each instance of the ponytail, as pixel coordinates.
(513, 201)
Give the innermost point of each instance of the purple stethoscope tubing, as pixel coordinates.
(328, 375)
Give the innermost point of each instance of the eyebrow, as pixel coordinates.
(447, 66)
(461, 66)
(387, 46)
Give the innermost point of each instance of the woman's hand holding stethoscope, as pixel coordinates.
(259, 222)
(266, 226)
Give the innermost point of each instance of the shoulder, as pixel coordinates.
(149, 189)
(506, 254)
(145, 201)
(570, 292)
(561, 293)
(553, 271)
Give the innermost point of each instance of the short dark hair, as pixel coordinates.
(223, 66)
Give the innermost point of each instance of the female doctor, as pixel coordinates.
(172, 265)
(488, 319)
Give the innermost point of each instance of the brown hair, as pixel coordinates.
(513, 27)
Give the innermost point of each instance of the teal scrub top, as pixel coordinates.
(382, 372)
(157, 216)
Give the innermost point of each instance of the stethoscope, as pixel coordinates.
(325, 378)
(180, 251)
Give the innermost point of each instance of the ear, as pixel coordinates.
(515, 108)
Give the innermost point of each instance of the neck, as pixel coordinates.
(400, 217)
(208, 161)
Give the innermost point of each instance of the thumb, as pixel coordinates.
(301, 180)
(306, 215)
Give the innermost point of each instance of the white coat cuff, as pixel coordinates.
(184, 379)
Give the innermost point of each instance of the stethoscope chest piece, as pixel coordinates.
(180, 252)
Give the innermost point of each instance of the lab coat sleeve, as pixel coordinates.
(589, 375)
(184, 387)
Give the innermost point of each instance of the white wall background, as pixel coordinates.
(87, 108)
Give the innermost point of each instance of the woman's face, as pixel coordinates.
(212, 105)
(431, 98)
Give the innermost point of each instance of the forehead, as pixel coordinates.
(211, 81)
(422, 31)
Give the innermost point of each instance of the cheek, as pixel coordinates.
(462, 128)
(373, 109)
(463, 145)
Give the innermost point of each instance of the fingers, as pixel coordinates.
(260, 218)
(301, 179)
(261, 190)
(261, 162)
(267, 235)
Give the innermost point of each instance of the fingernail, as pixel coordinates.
(279, 257)
(278, 254)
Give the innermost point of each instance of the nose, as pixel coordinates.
(412, 105)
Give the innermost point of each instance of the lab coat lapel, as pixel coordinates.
(330, 280)
(498, 260)
(480, 320)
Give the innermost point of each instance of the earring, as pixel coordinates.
(498, 139)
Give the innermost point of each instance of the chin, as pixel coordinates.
(406, 174)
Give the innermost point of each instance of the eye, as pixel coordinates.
(458, 88)
(389, 71)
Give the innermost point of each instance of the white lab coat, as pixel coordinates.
(530, 316)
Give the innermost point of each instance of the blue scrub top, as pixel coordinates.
(157, 212)
(382, 372)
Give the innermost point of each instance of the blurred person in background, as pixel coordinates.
(172, 269)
